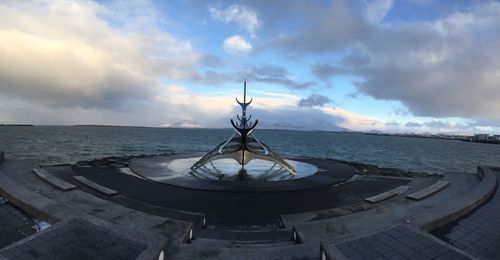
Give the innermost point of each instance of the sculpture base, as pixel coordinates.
(225, 175)
(229, 169)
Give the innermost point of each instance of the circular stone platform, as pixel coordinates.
(147, 184)
(175, 170)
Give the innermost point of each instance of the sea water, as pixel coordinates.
(69, 144)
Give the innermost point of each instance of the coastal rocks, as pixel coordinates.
(363, 168)
(115, 161)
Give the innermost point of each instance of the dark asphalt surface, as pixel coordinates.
(228, 208)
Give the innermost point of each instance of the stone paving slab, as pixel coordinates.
(56, 182)
(399, 242)
(66, 173)
(479, 232)
(116, 219)
(428, 191)
(448, 211)
(95, 186)
(76, 239)
(388, 194)
(396, 211)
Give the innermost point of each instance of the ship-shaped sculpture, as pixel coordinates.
(243, 146)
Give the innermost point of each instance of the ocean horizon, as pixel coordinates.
(69, 144)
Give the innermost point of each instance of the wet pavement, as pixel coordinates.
(15, 224)
(400, 242)
(479, 232)
(76, 239)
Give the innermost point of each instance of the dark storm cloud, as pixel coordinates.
(265, 73)
(446, 67)
(334, 28)
(355, 60)
(326, 71)
(314, 100)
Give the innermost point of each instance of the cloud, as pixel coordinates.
(446, 67)
(243, 16)
(314, 100)
(355, 60)
(84, 54)
(326, 71)
(436, 125)
(236, 44)
(275, 111)
(268, 73)
(413, 124)
(376, 10)
(263, 73)
(392, 124)
(353, 120)
(333, 28)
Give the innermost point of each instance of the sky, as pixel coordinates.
(413, 66)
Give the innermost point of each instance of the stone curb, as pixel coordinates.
(460, 206)
(25, 199)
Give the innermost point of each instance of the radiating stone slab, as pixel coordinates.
(388, 194)
(428, 191)
(95, 186)
(52, 180)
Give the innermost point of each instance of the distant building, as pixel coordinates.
(496, 137)
(480, 137)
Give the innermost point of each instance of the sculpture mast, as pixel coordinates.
(243, 120)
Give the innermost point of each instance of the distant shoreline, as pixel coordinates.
(483, 141)
(17, 125)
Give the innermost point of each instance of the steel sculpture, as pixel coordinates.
(243, 146)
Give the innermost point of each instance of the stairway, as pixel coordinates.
(231, 237)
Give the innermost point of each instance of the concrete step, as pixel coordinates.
(266, 234)
(220, 243)
(199, 250)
